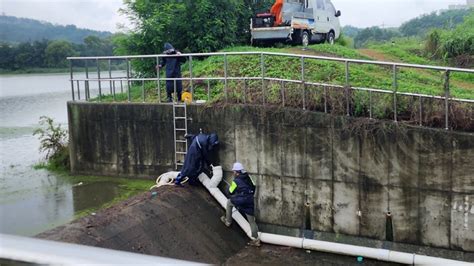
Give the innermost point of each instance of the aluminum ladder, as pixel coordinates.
(180, 129)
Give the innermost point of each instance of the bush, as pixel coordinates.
(454, 45)
(53, 142)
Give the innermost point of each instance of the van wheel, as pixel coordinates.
(305, 39)
(331, 38)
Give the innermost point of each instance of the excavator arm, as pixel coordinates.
(276, 12)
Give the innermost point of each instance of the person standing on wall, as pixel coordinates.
(173, 70)
(242, 190)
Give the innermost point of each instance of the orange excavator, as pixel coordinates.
(297, 22)
(276, 12)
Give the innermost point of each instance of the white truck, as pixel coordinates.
(297, 21)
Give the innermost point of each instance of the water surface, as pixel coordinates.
(32, 201)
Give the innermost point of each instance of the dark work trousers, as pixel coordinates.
(250, 219)
(170, 88)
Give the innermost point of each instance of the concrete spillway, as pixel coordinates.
(180, 223)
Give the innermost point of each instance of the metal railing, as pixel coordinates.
(114, 82)
(26, 250)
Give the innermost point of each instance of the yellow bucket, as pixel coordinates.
(187, 97)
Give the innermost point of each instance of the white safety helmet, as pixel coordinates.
(238, 167)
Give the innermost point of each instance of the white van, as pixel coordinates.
(298, 21)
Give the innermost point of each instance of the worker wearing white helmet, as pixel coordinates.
(242, 190)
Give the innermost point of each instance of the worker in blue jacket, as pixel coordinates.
(173, 70)
(197, 157)
(242, 190)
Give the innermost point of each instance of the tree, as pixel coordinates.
(209, 30)
(455, 46)
(190, 25)
(7, 56)
(95, 46)
(38, 51)
(445, 20)
(350, 31)
(374, 34)
(56, 53)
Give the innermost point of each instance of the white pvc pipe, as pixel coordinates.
(222, 199)
(325, 246)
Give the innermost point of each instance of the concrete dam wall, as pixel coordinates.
(315, 172)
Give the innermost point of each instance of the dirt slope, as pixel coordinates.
(181, 223)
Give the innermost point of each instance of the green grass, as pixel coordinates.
(318, 71)
(407, 50)
(410, 50)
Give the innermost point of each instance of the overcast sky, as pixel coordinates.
(104, 15)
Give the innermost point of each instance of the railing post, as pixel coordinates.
(303, 83)
(283, 93)
(395, 89)
(325, 99)
(421, 111)
(143, 90)
(245, 90)
(175, 94)
(110, 76)
(446, 98)
(114, 90)
(262, 64)
(72, 79)
(225, 77)
(370, 104)
(191, 76)
(158, 78)
(347, 87)
(87, 92)
(78, 90)
(128, 80)
(208, 90)
(98, 80)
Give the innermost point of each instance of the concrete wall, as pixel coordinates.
(314, 171)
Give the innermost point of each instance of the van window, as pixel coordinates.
(330, 7)
(320, 4)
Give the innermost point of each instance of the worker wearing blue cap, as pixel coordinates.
(242, 190)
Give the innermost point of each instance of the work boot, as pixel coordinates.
(254, 243)
(177, 182)
(224, 220)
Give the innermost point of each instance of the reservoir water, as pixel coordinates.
(32, 201)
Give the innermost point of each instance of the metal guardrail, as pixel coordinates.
(128, 79)
(21, 250)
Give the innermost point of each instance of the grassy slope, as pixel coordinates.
(409, 80)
